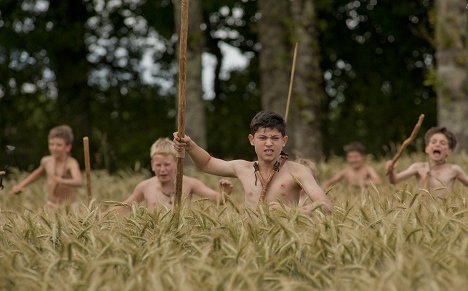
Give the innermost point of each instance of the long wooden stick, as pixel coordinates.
(406, 143)
(291, 81)
(184, 7)
(87, 166)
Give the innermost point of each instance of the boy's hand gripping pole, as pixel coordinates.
(406, 143)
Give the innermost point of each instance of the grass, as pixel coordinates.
(387, 238)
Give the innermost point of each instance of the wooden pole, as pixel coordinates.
(291, 81)
(87, 166)
(406, 143)
(184, 7)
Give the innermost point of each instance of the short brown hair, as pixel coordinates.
(355, 147)
(268, 119)
(62, 131)
(452, 140)
(163, 146)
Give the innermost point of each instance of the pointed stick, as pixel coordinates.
(181, 106)
(291, 81)
(87, 166)
(406, 143)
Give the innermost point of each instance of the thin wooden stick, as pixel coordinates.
(87, 166)
(291, 81)
(184, 7)
(406, 143)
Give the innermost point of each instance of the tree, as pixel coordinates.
(451, 35)
(306, 107)
(277, 31)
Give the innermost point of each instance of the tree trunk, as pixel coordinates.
(308, 92)
(275, 54)
(195, 108)
(304, 124)
(452, 67)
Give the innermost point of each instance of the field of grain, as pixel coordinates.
(384, 238)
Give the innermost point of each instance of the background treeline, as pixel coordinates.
(365, 71)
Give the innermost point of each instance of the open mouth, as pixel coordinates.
(437, 152)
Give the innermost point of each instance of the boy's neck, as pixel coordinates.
(61, 157)
(437, 163)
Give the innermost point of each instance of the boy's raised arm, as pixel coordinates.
(202, 190)
(333, 180)
(461, 175)
(374, 177)
(307, 182)
(202, 159)
(395, 178)
(36, 174)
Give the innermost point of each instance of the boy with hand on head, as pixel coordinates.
(272, 178)
(159, 191)
(436, 174)
(357, 173)
(63, 171)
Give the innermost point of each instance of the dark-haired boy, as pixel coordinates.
(272, 178)
(435, 175)
(357, 173)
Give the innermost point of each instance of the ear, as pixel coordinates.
(285, 140)
(68, 148)
(251, 139)
(426, 149)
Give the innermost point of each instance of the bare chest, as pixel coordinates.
(282, 187)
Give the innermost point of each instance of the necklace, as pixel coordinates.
(266, 182)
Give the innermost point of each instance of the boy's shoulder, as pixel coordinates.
(46, 160)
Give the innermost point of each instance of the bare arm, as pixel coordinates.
(135, 197)
(373, 176)
(203, 160)
(461, 175)
(395, 178)
(202, 190)
(306, 181)
(333, 180)
(36, 174)
(76, 179)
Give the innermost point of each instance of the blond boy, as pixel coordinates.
(272, 178)
(357, 173)
(159, 191)
(436, 175)
(62, 171)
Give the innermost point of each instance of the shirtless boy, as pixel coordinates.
(271, 179)
(436, 175)
(63, 171)
(357, 173)
(159, 191)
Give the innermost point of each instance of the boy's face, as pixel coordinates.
(355, 159)
(58, 147)
(438, 147)
(268, 143)
(164, 167)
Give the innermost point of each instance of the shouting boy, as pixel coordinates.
(159, 191)
(272, 178)
(357, 173)
(63, 171)
(436, 175)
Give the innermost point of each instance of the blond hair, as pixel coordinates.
(163, 146)
(62, 131)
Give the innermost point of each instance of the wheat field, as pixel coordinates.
(382, 238)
